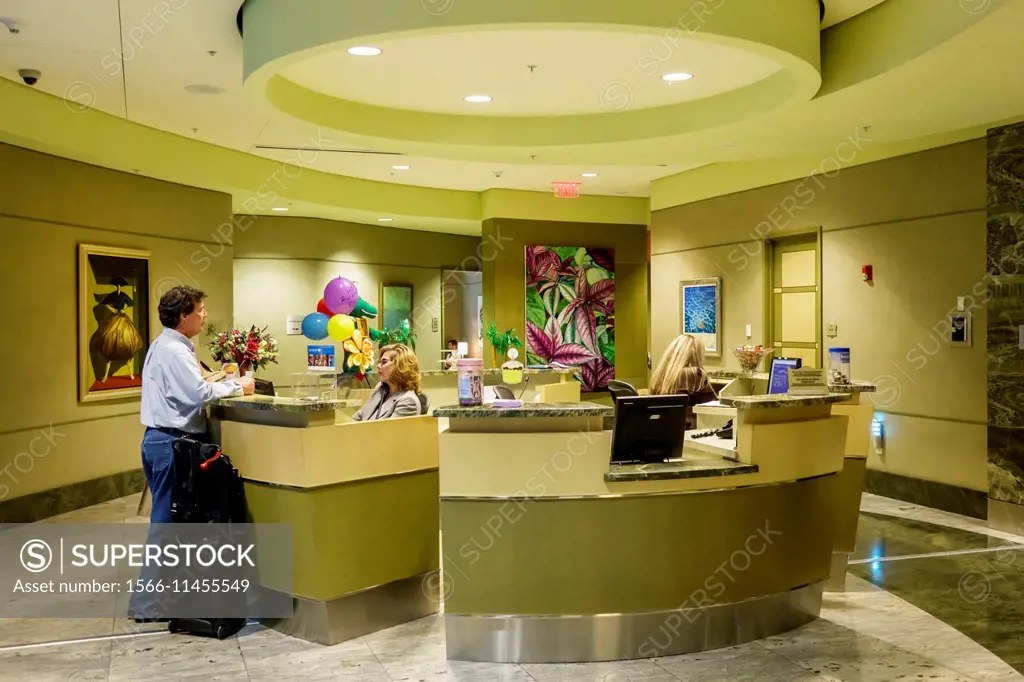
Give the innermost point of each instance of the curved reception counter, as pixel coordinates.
(552, 554)
(362, 503)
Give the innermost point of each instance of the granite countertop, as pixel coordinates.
(756, 402)
(527, 410)
(497, 370)
(269, 403)
(852, 387)
(685, 468)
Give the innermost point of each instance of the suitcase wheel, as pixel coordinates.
(223, 631)
(173, 627)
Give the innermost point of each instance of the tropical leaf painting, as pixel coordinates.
(570, 310)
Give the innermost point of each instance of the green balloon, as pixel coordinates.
(363, 309)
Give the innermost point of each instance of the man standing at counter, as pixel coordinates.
(175, 394)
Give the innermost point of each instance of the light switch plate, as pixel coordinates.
(959, 304)
(749, 331)
(833, 331)
(434, 324)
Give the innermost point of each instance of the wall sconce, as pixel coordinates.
(878, 436)
(463, 349)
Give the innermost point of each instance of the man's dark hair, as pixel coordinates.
(452, 342)
(177, 302)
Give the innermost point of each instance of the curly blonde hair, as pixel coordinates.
(405, 375)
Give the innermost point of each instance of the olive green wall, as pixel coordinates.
(504, 269)
(920, 221)
(48, 206)
(281, 266)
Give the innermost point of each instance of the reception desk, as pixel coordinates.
(551, 554)
(362, 501)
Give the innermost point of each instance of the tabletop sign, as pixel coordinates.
(567, 190)
(808, 381)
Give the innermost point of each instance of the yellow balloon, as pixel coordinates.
(341, 327)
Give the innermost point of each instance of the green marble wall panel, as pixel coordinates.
(1005, 255)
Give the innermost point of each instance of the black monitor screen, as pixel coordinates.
(778, 378)
(649, 428)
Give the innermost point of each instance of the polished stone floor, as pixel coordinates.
(910, 611)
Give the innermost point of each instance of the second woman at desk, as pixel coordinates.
(681, 370)
(397, 394)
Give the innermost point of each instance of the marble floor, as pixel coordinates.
(929, 596)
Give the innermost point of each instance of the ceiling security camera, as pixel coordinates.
(30, 76)
(13, 25)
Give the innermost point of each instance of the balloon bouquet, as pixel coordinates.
(342, 314)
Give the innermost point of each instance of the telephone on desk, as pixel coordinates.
(725, 431)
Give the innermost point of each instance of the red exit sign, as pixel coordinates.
(567, 190)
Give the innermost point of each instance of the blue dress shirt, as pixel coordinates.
(174, 393)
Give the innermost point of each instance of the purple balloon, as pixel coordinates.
(341, 296)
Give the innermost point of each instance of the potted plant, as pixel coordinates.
(243, 349)
(403, 334)
(500, 343)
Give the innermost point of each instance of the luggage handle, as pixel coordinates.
(206, 465)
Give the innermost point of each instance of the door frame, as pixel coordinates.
(768, 279)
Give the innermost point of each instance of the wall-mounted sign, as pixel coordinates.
(293, 325)
(320, 358)
(566, 190)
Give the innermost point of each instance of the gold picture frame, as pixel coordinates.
(113, 321)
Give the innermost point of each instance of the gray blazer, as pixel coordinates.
(400, 404)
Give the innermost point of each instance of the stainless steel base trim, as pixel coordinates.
(837, 572)
(621, 636)
(360, 613)
(1006, 517)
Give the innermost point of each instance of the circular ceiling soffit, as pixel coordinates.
(560, 74)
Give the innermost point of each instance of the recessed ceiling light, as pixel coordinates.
(384, 220)
(478, 99)
(589, 175)
(279, 208)
(364, 51)
(204, 89)
(400, 167)
(677, 77)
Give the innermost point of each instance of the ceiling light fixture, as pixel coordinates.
(478, 99)
(279, 208)
(677, 77)
(588, 175)
(384, 220)
(364, 51)
(400, 167)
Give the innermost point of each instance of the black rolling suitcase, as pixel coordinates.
(207, 489)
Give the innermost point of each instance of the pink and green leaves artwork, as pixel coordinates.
(570, 310)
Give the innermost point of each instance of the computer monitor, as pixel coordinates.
(649, 428)
(778, 377)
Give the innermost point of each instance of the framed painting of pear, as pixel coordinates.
(113, 321)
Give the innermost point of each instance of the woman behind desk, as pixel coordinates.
(681, 370)
(397, 394)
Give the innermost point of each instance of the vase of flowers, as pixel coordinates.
(242, 350)
(750, 357)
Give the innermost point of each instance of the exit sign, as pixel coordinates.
(567, 190)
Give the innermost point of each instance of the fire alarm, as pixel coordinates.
(865, 273)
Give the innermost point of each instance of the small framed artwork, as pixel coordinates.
(113, 321)
(395, 305)
(700, 312)
(320, 358)
(960, 329)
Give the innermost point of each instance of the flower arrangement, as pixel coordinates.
(750, 357)
(250, 348)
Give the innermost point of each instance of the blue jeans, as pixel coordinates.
(158, 465)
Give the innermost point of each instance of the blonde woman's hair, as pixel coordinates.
(405, 375)
(681, 369)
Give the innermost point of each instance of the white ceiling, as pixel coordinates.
(433, 73)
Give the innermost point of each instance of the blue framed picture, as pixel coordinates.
(700, 312)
